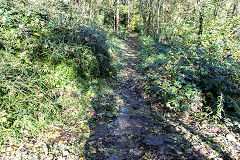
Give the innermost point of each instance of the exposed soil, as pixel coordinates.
(127, 126)
(130, 134)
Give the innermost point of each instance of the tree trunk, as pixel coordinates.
(117, 16)
(200, 18)
(235, 6)
(158, 18)
(129, 16)
(114, 21)
(153, 25)
(149, 18)
(84, 7)
(91, 10)
(144, 5)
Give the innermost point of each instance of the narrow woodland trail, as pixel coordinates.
(129, 134)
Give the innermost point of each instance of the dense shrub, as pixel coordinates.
(47, 59)
(190, 78)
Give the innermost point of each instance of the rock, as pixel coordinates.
(93, 151)
(211, 156)
(156, 141)
(231, 138)
(110, 115)
(136, 152)
(214, 129)
(178, 130)
(65, 153)
(9, 149)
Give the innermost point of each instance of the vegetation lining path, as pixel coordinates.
(129, 134)
(55, 60)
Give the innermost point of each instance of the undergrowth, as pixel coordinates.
(190, 78)
(50, 67)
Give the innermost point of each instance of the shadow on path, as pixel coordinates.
(124, 125)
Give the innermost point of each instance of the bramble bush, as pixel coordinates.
(189, 78)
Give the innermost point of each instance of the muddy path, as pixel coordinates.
(131, 133)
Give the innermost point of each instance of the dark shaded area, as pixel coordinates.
(109, 19)
(2, 46)
(147, 134)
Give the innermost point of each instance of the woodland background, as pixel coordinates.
(57, 55)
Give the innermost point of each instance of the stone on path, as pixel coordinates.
(231, 138)
(157, 140)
